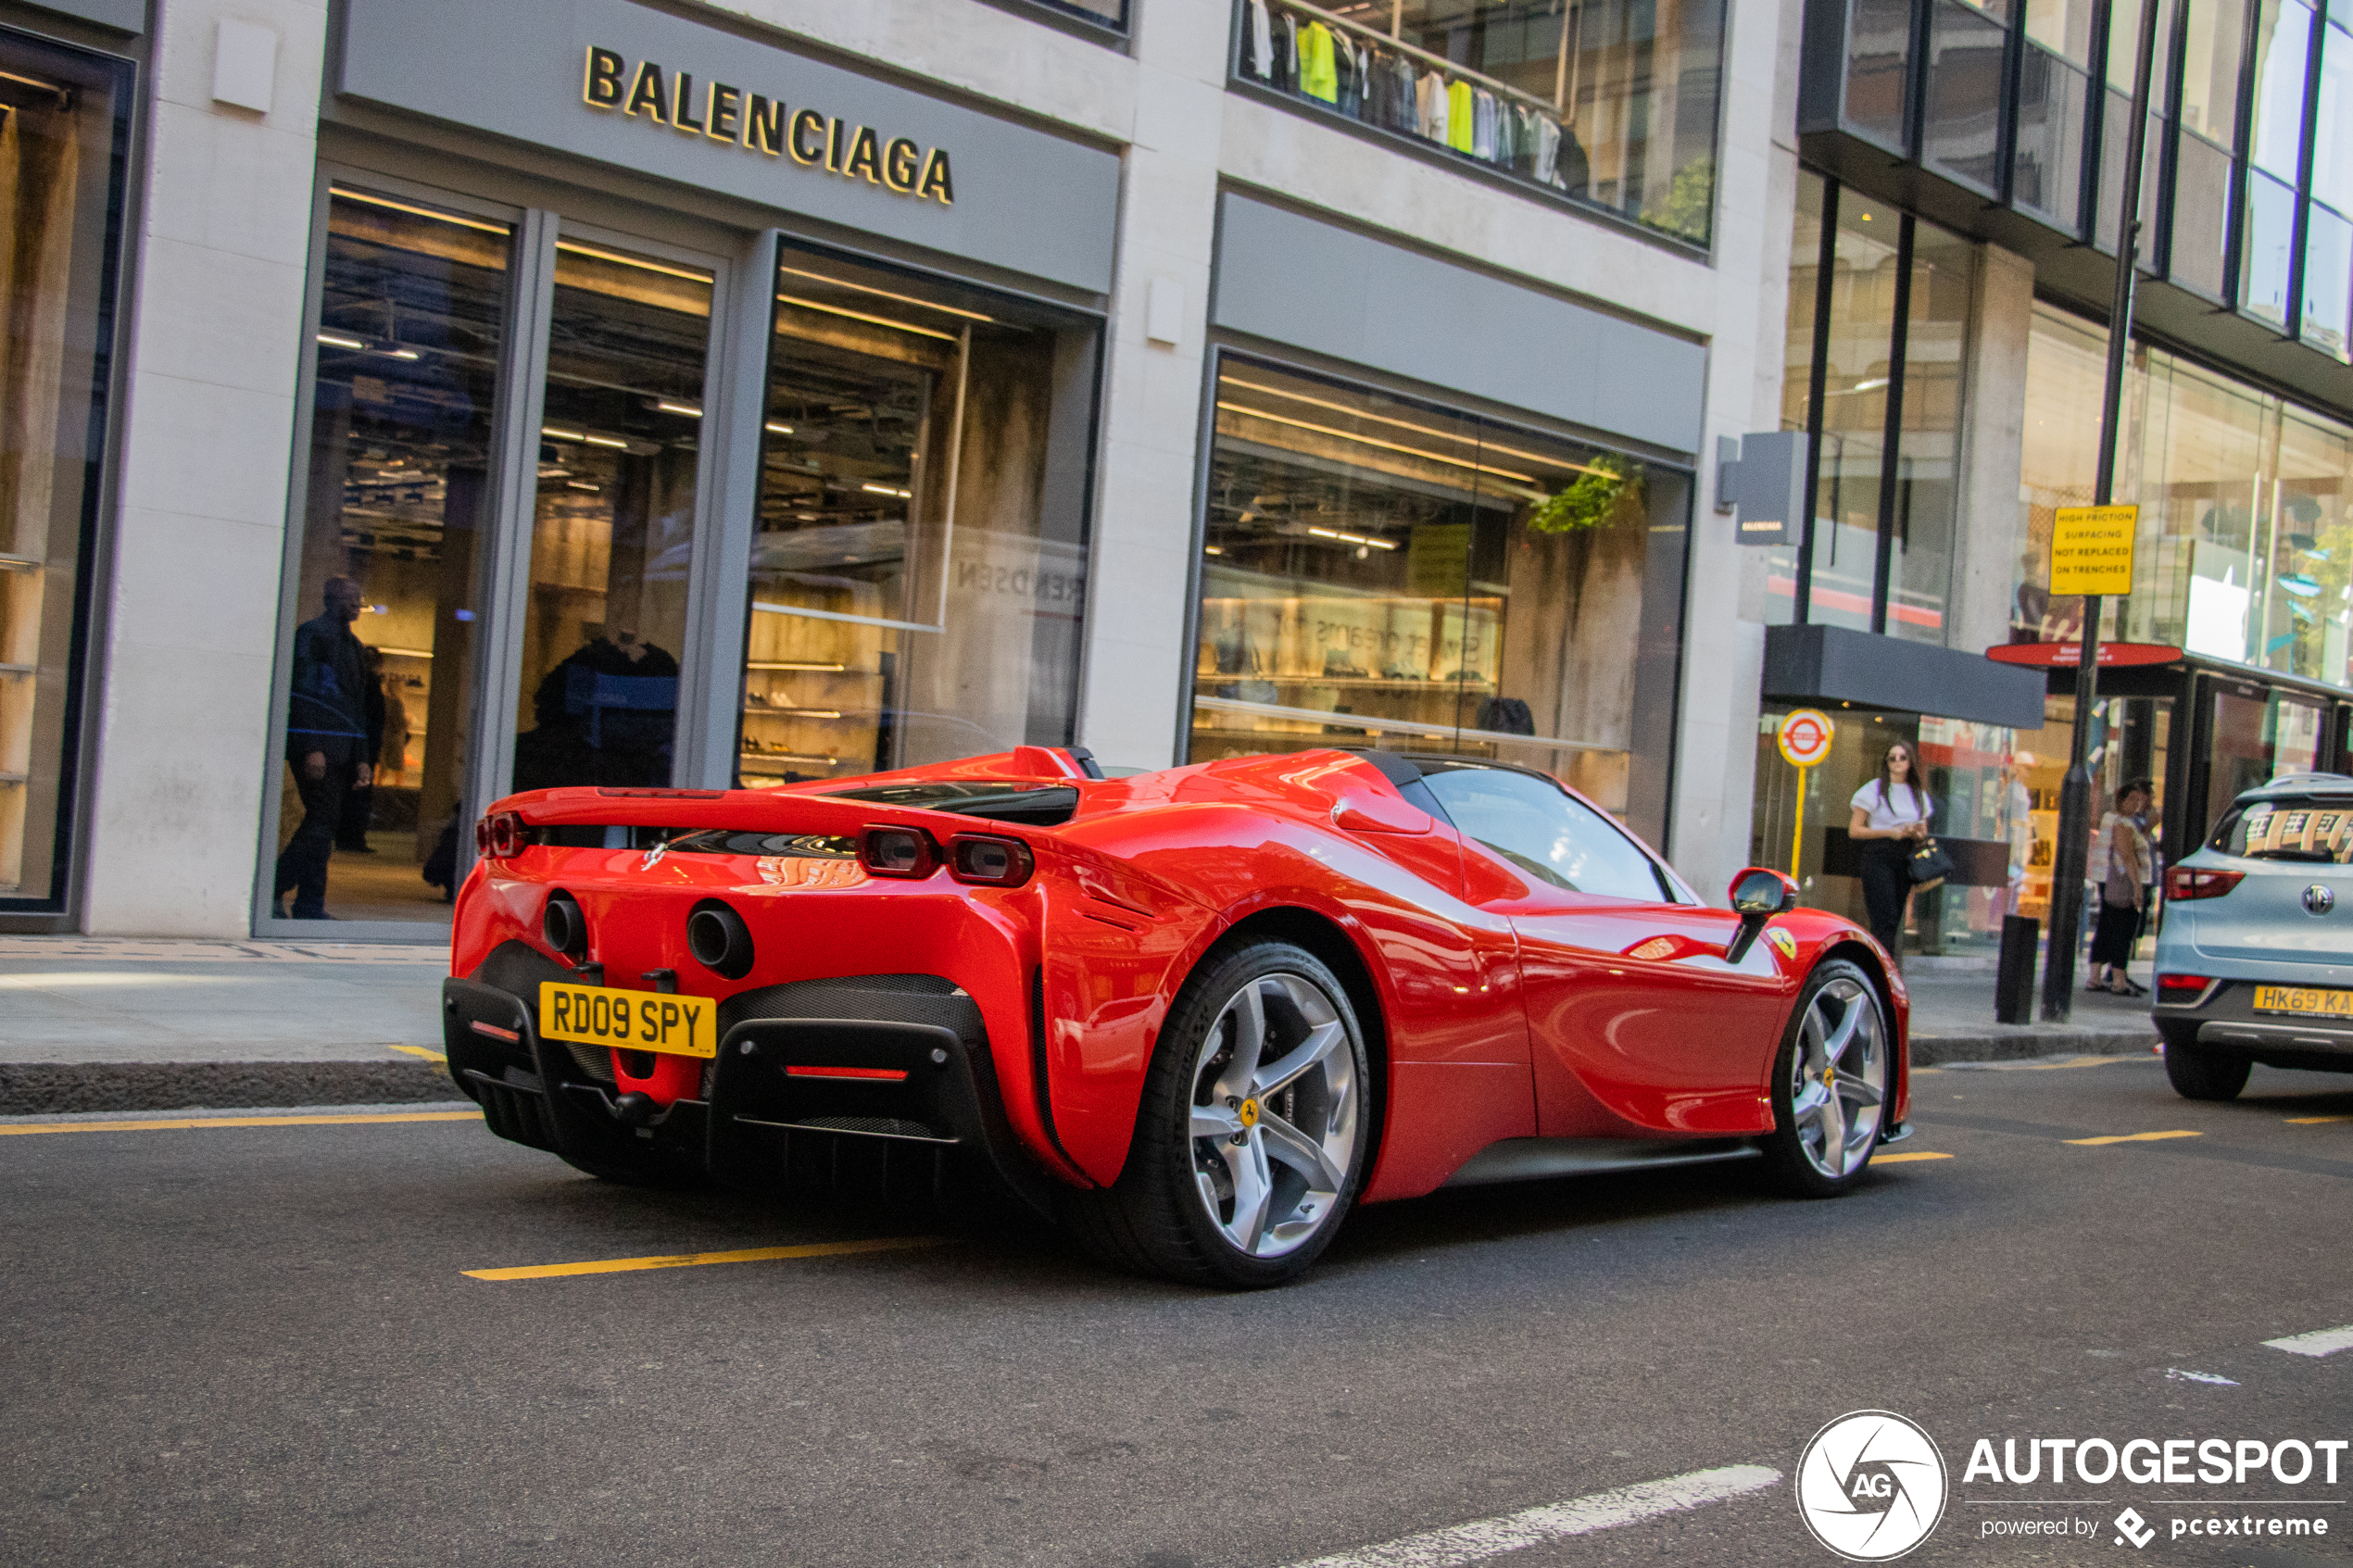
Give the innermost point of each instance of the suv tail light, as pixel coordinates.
(2169, 986)
(501, 836)
(902, 852)
(988, 860)
(2198, 882)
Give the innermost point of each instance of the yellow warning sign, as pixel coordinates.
(2092, 549)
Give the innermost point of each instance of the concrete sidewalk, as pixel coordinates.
(91, 1023)
(97, 1024)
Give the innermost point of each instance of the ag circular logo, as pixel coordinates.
(1870, 1486)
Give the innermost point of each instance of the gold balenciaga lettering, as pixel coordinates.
(807, 136)
(765, 125)
(755, 122)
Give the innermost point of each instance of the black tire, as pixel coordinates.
(1157, 1218)
(1797, 1149)
(2200, 1072)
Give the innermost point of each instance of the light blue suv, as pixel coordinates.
(2255, 956)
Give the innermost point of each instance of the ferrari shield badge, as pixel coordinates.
(1783, 943)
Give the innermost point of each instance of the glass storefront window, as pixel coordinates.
(613, 525)
(1928, 473)
(2210, 55)
(1963, 133)
(2270, 238)
(2047, 168)
(412, 313)
(64, 122)
(2245, 546)
(1379, 572)
(1797, 370)
(1854, 416)
(2282, 42)
(920, 557)
(1612, 102)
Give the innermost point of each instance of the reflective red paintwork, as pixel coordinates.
(1502, 1008)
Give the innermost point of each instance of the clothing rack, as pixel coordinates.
(1437, 61)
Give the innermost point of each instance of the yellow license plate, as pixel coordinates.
(636, 1021)
(2308, 999)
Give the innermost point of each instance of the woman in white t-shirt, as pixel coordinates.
(1889, 819)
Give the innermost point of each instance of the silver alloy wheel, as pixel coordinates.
(1274, 1114)
(1838, 1077)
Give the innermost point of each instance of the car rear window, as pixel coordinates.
(2315, 828)
(1043, 806)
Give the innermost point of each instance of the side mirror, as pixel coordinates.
(1758, 894)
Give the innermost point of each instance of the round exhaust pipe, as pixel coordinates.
(719, 939)
(564, 927)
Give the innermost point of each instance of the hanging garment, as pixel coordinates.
(1461, 110)
(1404, 107)
(1318, 73)
(1482, 124)
(1258, 41)
(1574, 175)
(1286, 73)
(1548, 147)
(1431, 92)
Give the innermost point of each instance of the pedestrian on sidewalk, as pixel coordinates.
(2121, 865)
(1888, 819)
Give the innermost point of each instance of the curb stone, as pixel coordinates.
(50, 1087)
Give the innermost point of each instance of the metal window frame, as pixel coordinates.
(58, 909)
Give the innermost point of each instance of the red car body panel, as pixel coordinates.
(1500, 1010)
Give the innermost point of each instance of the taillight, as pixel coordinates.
(901, 852)
(501, 836)
(2198, 881)
(991, 862)
(2182, 983)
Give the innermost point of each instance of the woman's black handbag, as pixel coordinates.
(1930, 866)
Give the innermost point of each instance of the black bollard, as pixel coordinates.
(2014, 979)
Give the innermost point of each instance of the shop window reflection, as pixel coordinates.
(1611, 102)
(63, 122)
(1380, 573)
(920, 562)
(412, 311)
(2245, 549)
(614, 526)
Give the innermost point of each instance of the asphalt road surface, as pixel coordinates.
(263, 1345)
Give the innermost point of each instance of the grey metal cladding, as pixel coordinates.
(1820, 663)
(1317, 286)
(124, 16)
(1025, 199)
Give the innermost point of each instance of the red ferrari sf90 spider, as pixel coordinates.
(1197, 1013)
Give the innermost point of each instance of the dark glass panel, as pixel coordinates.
(1963, 132)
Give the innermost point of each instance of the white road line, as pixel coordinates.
(2320, 1342)
(1483, 1539)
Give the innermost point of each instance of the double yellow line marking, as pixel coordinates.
(695, 1259)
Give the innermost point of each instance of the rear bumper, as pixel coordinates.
(2225, 1016)
(859, 1077)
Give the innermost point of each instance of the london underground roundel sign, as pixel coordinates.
(1805, 737)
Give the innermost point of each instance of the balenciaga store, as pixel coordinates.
(679, 410)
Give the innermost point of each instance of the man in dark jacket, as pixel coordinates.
(326, 742)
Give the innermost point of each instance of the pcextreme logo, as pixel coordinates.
(1870, 1486)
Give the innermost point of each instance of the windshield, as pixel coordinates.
(2295, 828)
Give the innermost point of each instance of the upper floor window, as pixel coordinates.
(1108, 13)
(1611, 102)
